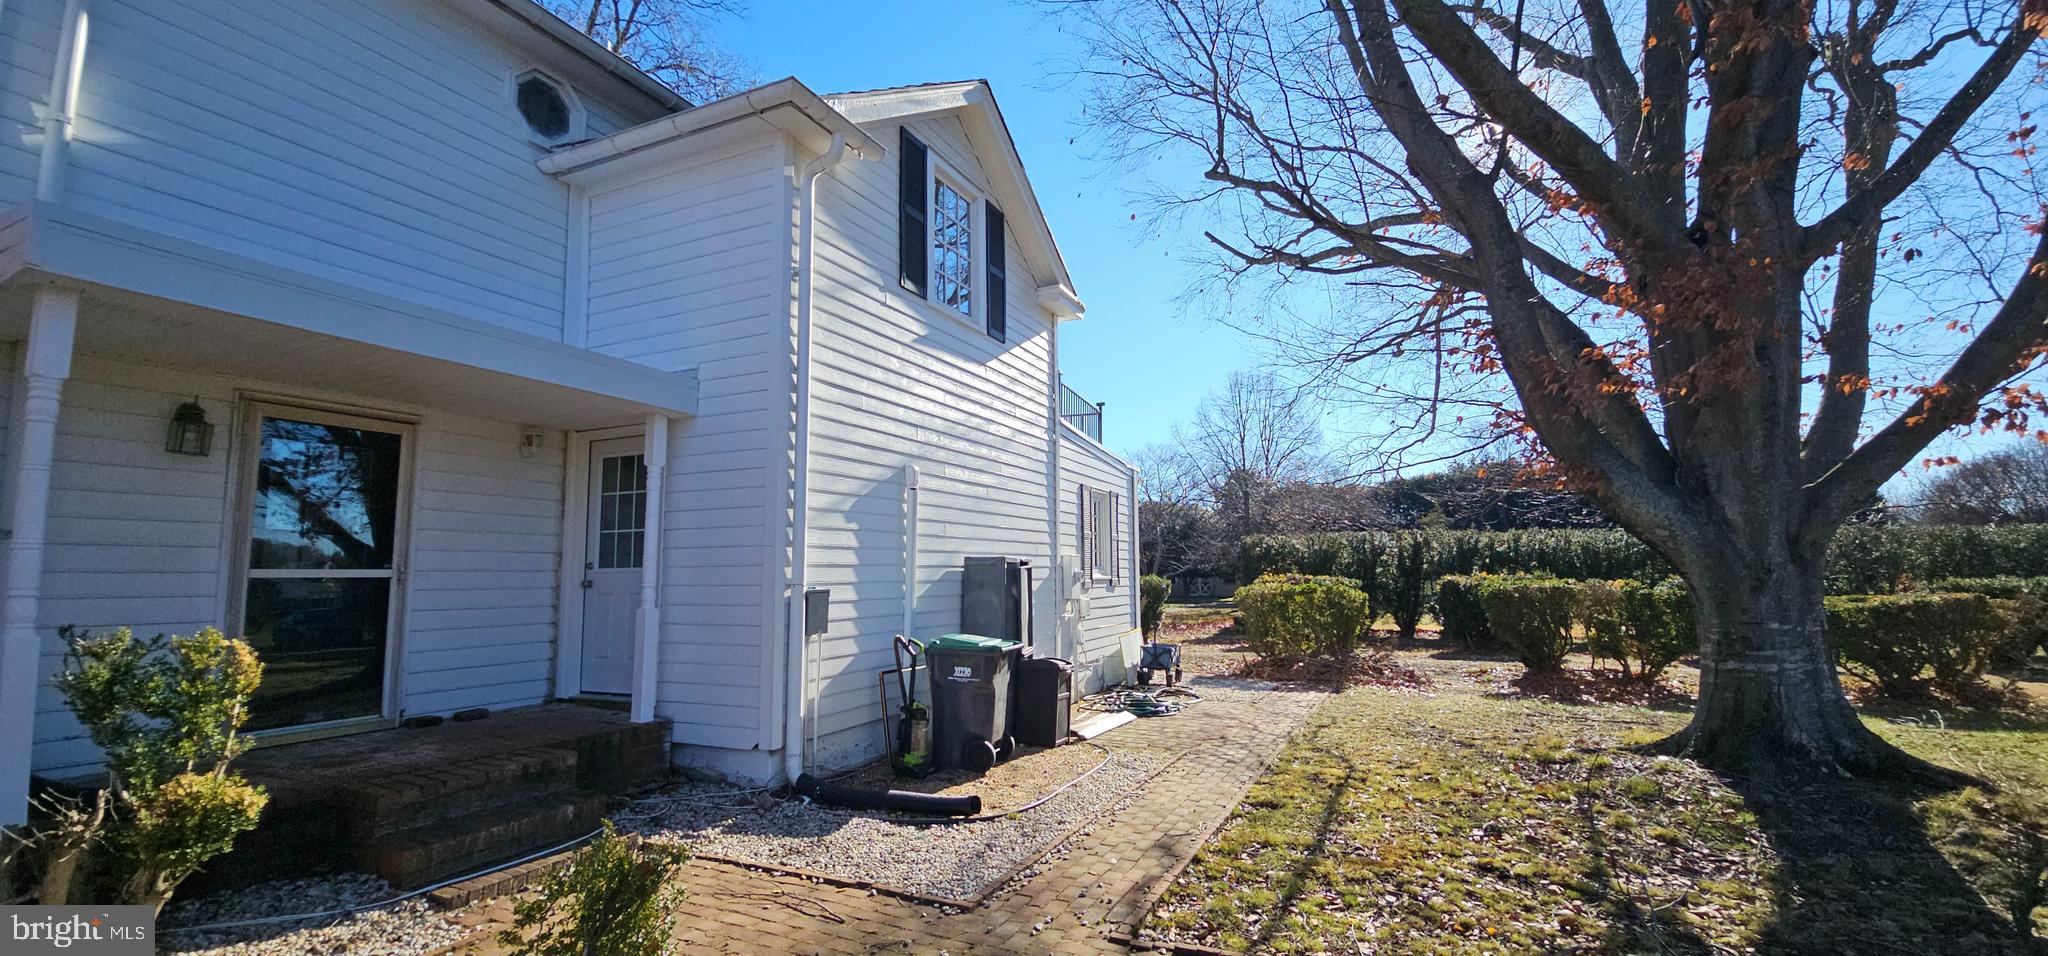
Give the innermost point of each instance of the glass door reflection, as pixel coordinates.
(323, 547)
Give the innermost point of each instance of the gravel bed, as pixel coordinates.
(956, 861)
(410, 928)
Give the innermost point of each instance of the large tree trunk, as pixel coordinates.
(1770, 697)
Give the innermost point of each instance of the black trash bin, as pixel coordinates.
(970, 682)
(1044, 695)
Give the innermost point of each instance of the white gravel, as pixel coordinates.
(410, 928)
(954, 861)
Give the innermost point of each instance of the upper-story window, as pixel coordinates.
(551, 112)
(952, 248)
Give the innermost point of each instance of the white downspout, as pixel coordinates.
(798, 697)
(1052, 498)
(911, 477)
(647, 657)
(61, 114)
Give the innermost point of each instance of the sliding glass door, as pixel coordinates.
(324, 542)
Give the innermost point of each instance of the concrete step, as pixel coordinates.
(421, 855)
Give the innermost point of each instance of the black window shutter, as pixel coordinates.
(913, 240)
(998, 252)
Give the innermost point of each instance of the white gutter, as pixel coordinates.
(784, 94)
(797, 699)
(60, 116)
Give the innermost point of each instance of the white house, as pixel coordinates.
(458, 364)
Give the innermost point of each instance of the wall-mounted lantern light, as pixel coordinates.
(191, 433)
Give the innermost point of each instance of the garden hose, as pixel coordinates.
(1164, 702)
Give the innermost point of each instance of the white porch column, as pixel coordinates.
(647, 655)
(46, 363)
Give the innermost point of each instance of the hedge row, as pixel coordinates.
(1863, 559)
(1643, 626)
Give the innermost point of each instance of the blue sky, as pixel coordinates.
(1140, 350)
(1136, 350)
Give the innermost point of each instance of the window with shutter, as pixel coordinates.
(997, 279)
(912, 178)
(1102, 537)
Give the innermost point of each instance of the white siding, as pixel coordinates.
(691, 268)
(139, 537)
(1108, 612)
(896, 382)
(369, 142)
(28, 43)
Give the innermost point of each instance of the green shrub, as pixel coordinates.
(2022, 607)
(1900, 640)
(1533, 616)
(166, 712)
(1152, 592)
(176, 827)
(1863, 559)
(1459, 612)
(1657, 625)
(1407, 587)
(1598, 616)
(616, 897)
(1303, 615)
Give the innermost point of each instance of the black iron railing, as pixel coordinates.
(1080, 413)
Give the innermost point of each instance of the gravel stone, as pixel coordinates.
(955, 861)
(410, 928)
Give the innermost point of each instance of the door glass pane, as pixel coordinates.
(326, 497)
(322, 644)
(621, 511)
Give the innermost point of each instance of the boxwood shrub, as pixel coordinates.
(1900, 641)
(1657, 625)
(1152, 592)
(2022, 606)
(1533, 616)
(1460, 614)
(1298, 615)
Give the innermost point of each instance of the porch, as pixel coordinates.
(419, 804)
(388, 501)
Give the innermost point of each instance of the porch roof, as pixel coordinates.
(156, 300)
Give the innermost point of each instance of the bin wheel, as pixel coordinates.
(1006, 748)
(978, 755)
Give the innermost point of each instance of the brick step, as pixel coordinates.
(420, 855)
(466, 788)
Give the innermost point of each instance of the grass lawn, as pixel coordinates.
(1470, 817)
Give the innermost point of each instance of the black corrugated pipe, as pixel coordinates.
(901, 801)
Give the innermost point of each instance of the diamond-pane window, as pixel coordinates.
(952, 249)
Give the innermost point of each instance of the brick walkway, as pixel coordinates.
(1102, 883)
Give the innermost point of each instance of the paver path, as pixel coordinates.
(1101, 882)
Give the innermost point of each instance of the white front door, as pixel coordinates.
(614, 541)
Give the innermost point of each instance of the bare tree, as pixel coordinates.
(2006, 487)
(669, 39)
(1666, 228)
(1253, 434)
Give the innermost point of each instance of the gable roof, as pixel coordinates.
(974, 104)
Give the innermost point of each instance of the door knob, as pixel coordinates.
(586, 582)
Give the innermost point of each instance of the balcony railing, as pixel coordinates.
(1080, 413)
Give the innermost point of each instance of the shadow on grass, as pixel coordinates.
(1643, 930)
(1857, 874)
(1302, 876)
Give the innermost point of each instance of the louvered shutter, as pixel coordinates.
(913, 242)
(998, 284)
(1086, 512)
(1116, 551)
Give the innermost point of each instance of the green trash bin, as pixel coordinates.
(970, 685)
